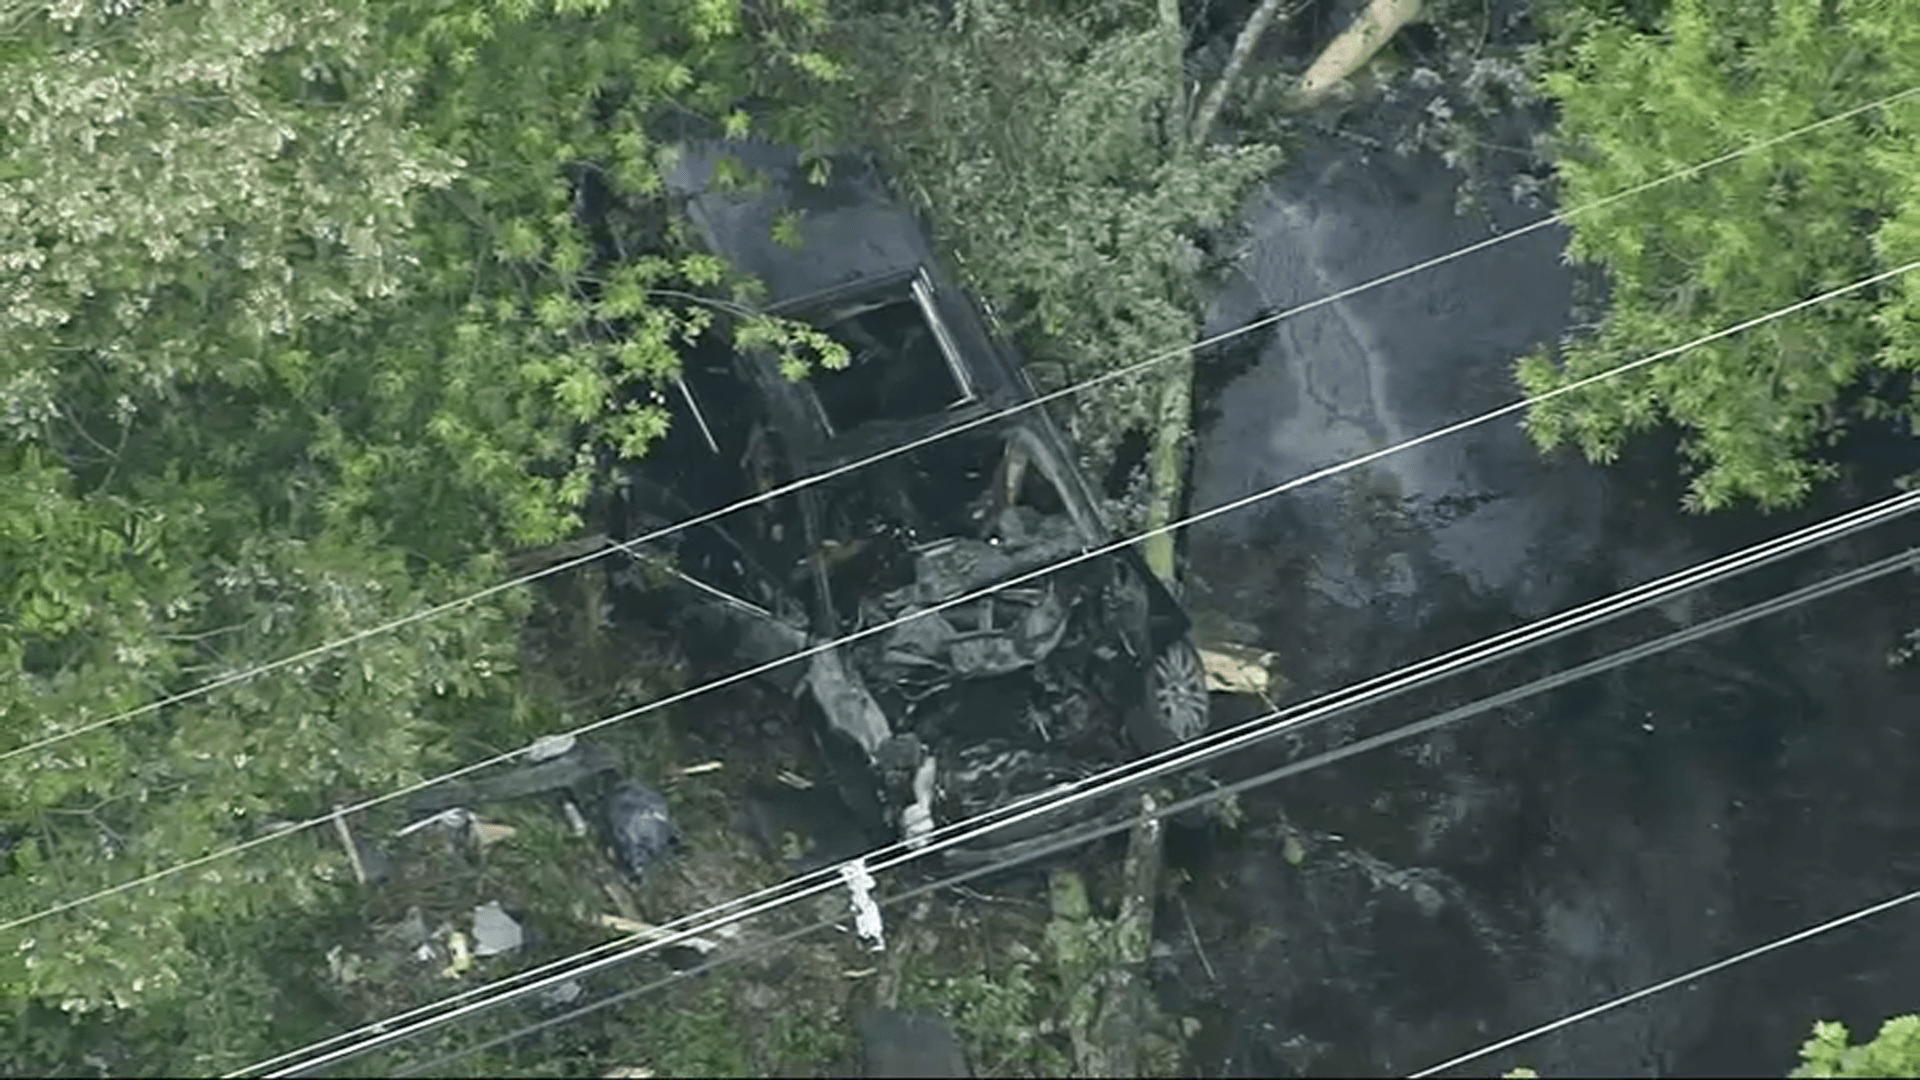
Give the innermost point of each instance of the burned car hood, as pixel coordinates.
(848, 228)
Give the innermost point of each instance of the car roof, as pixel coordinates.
(850, 228)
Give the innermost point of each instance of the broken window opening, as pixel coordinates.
(1022, 482)
(898, 367)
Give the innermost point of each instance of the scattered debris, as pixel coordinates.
(917, 820)
(639, 830)
(866, 913)
(494, 931)
(461, 953)
(455, 818)
(655, 933)
(576, 766)
(1238, 669)
(562, 995)
(575, 819)
(550, 747)
(486, 833)
(345, 967)
(409, 933)
(346, 841)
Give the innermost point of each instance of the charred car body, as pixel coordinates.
(962, 709)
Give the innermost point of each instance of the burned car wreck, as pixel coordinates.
(956, 711)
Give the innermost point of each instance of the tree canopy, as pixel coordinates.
(314, 309)
(1647, 89)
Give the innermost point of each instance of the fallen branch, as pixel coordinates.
(1250, 34)
(1353, 47)
(346, 841)
(1110, 1015)
(535, 560)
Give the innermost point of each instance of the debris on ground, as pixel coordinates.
(566, 993)
(461, 953)
(550, 747)
(1238, 669)
(651, 932)
(576, 764)
(639, 830)
(494, 931)
(488, 833)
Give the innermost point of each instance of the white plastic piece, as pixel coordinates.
(549, 747)
(916, 821)
(495, 931)
(456, 818)
(575, 820)
(866, 913)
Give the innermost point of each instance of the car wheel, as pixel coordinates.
(1177, 702)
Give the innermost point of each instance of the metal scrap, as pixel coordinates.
(866, 913)
(494, 931)
(846, 701)
(1026, 642)
(639, 829)
(959, 565)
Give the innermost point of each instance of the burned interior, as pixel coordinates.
(900, 363)
(1004, 680)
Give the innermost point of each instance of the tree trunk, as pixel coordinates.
(1353, 47)
(1250, 34)
(1109, 1014)
(1166, 465)
(1173, 420)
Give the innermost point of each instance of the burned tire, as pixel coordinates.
(1176, 704)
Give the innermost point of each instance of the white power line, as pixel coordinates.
(1368, 692)
(1678, 980)
(1896, 563)
(1556, 218)
(967, 598)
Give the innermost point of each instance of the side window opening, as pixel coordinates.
(901, 364)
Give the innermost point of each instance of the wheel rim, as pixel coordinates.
(1180, 697)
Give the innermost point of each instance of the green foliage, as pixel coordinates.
(1047, 142)
(303, 334)
(1742, 239)
(1002, 1014)
(1893, 1052)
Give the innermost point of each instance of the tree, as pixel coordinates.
(1893, 1052)
(1646, 89)
(307, 327)
(1828, 1054)
(1060, 155)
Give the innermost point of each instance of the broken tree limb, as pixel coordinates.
(1250, 34)
(1166, 467)
(1353, 47)
(1110, 1014)
(346, 841)
(1173, 419)
(1173, 34)
(1126, 1008)
(535, 560)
